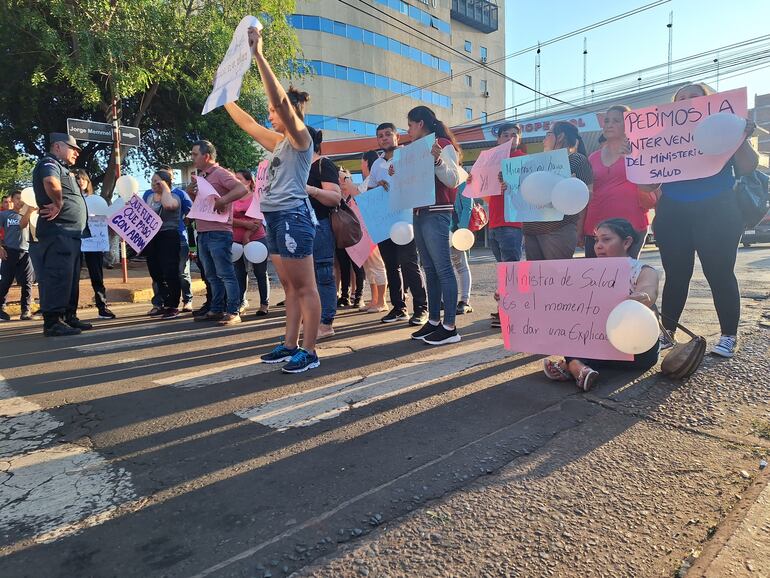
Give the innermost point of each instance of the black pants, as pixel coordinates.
(346, 263)
(641, 362)
(57, 261)
(94, 262)
(17, 266)
(712, 228)
(202, 271)
(260, 272)
(163, 263)
(402, 261)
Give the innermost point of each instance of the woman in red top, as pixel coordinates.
(245, 230)
(613, 195)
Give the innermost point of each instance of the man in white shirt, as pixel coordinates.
(401, 261)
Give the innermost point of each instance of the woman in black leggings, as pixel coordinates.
(702, 216)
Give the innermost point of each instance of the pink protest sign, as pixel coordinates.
(203, 205)
(485, 171)
(360, 252)
(561, 307)
(661, 137)
(260, 182)
(136, 223)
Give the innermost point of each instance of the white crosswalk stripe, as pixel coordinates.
(47, 490)
(329, 401)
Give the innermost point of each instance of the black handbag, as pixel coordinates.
(753, 198)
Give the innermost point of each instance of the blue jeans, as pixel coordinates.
(184, 276)
(506, 243)
(323, 258)
(215, 250)
(431, 233)
(290, 233)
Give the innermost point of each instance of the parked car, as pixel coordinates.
(759, 234)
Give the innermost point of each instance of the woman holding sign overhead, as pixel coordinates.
(431, 228)
(558, 239)
(702, 215)
(614, 238)
(291, 223)
(162, 251)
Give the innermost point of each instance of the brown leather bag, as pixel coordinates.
(345, 225)
(685, 358)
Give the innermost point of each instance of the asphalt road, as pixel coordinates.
(148, 448)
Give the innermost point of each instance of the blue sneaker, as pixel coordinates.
(301, 361)
(279, 354)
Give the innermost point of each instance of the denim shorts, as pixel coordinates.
(290, 232)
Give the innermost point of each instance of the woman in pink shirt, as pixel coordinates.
(614, 196)
(245, 230)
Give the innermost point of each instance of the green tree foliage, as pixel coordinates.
(70, 58)
(15, 173)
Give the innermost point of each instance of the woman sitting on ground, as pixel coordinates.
(614, 238)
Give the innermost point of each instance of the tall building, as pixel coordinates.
(372, 59)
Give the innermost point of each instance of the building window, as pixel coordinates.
(468, 114)
(483, 52)
(484, 117)
(468, 81)
(483, 85)
(468, 46)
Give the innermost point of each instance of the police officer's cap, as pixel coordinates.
(66, 139)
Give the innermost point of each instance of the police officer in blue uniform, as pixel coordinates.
(62, 223)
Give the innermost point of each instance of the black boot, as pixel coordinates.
(53, 326)
(72, 320)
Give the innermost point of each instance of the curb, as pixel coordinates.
(118, 295)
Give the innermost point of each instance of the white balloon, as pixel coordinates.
(463, 239)
(96, 205)
(402, 233)
(536, 187)
(237, 252)
(28, 197)
(719, 133)
(127, 186)
(255, 252)
(570, 196)
(632, 327)
(116, 205)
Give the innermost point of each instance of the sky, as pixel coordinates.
(626, 46)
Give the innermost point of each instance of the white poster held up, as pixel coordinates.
(99, 241)
(260, 182)
(203, 205)
(413, 183)
(237, 60)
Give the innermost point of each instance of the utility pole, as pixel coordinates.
(670, 27)
(585, 66)
(116, 149)
(537, 78)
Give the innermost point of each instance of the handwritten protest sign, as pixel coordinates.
(374, 205)
(661, 138)
(136, 223)
(485, 172)
(237, 60)
(560, 307)
(99, 241)
(413, 183)
(515, 170)
(360, 252)
(260, 182)
(203, 205)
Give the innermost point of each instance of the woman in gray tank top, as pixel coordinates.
(291, 223)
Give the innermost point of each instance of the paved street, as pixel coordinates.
(148, 448)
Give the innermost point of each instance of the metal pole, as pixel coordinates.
(585, 66)
(670, 27)
(116, 142)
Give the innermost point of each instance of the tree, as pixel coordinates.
(15, 173)
(157, 58)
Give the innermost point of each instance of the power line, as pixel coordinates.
(476, 66)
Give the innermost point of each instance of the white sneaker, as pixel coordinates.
(727, 346)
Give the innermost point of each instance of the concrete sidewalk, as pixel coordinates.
(138, 289)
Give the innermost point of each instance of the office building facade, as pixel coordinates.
(374, 60)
